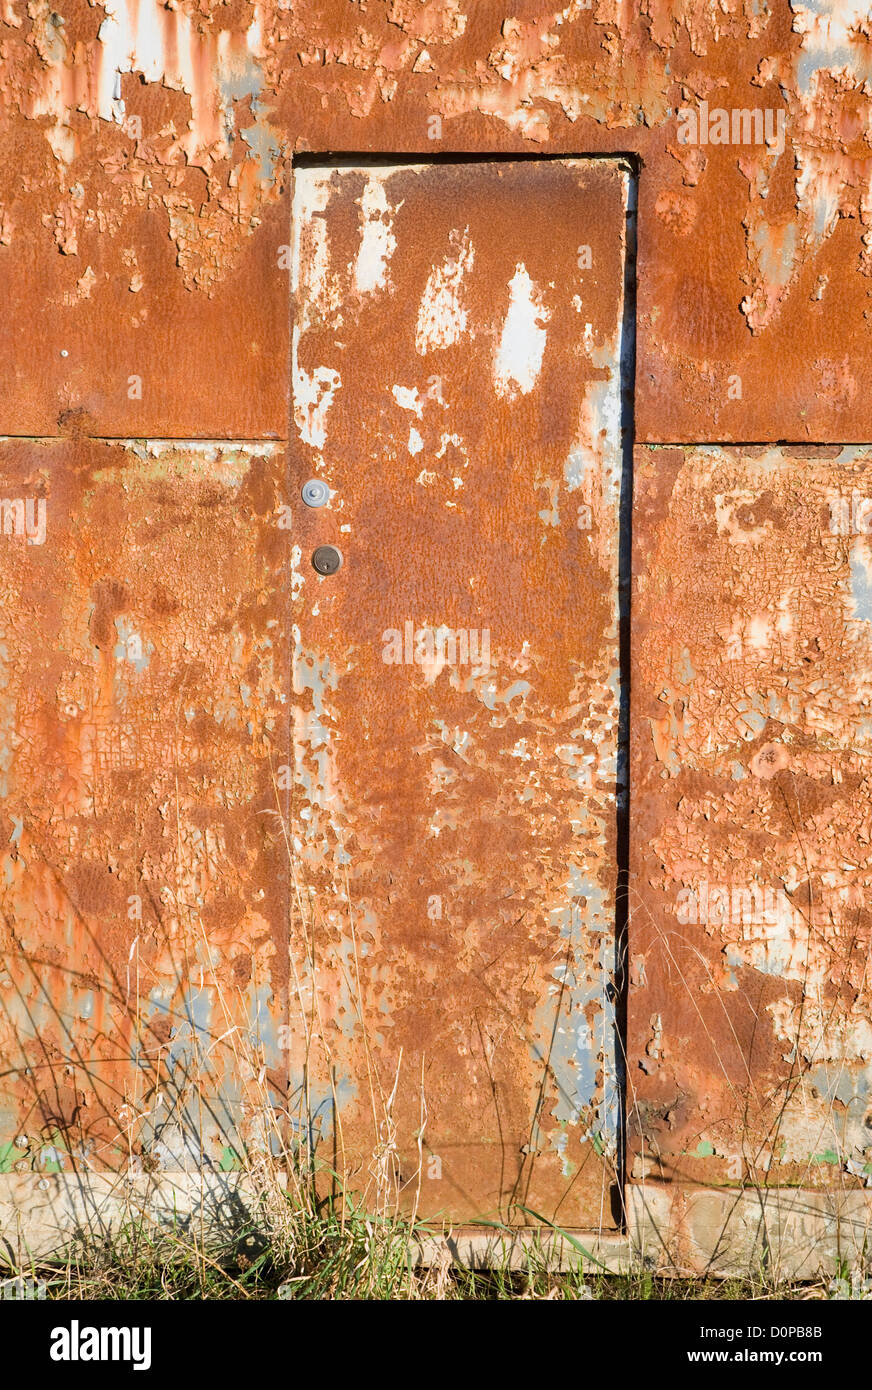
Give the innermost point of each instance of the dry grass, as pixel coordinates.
(304, 1235)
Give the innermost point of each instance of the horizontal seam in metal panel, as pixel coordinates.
(146, 438)
(340, 158)
(754, 444)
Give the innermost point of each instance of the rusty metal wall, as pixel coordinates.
(151, 399)
(143, 173)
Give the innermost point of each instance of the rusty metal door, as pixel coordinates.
(457, 334)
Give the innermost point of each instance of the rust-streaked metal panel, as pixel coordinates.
(456, 344)
(144, 294)
(750, 1052)
(87, 349)
(144, 145)
(143, 880)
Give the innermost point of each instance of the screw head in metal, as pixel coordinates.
(327, 559)
(315, 493)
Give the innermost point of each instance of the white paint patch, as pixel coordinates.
(320, 296)
(133, 41)
(416, 443)
(296, 572)
(377, 243)
(165, 44)
(313, 397)
(320, 293)
(756, 635)
(442, 320)
(407, 398)
(784, 622)
(522, 345)
(63, 143)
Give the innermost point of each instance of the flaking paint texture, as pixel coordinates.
(147, 252)
(750, 1046)
(143, 883)
(454, 818)
(143, 193)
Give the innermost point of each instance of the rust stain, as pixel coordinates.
(749, 1048)
(143, 896)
